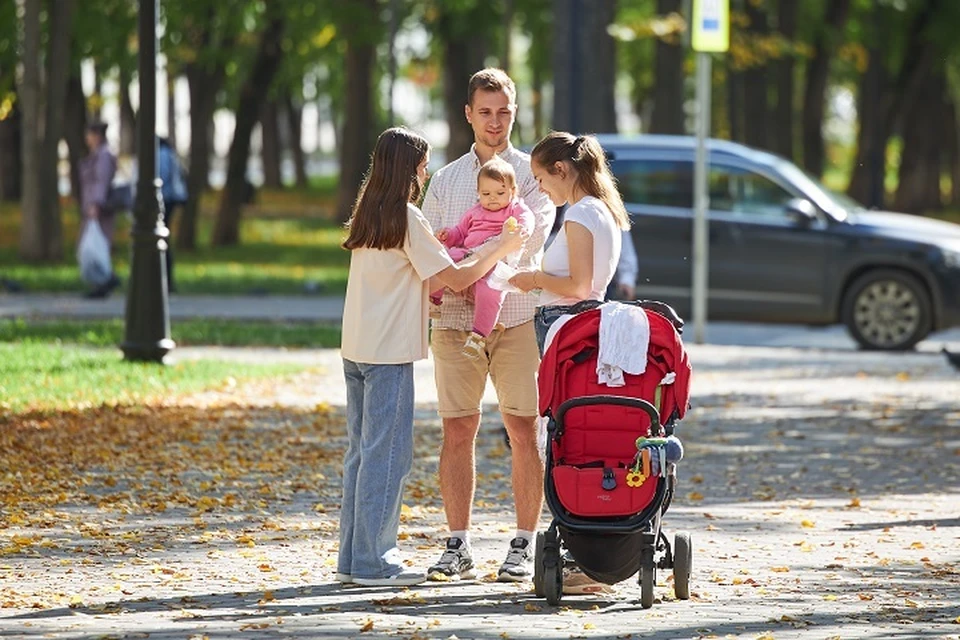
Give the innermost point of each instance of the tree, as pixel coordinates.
(252, 98)
(584, 66)
(41, 235)
(360, 28)
(667, 115)
(815, 88)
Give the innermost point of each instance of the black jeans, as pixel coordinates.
(545, 316)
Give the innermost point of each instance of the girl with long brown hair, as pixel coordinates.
(395, 261)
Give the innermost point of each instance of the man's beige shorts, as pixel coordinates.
(511, 359)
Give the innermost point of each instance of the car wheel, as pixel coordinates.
(887, 310)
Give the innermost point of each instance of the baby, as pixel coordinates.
(498, 203)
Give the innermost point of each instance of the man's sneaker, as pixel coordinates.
(519, 563)
(454, 564)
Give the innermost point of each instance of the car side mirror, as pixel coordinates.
(801, 211)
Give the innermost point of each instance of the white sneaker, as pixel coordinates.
(404, 578)
(519, 563)
(344, 578)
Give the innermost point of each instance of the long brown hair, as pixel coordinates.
(586, 155)
(379, 218)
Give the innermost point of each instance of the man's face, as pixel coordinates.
(92, 139)
(491, 115)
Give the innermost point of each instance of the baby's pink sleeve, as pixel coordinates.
(456, 235)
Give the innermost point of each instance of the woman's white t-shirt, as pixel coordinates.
(593, 214)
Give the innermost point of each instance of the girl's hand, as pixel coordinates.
(442, 235)
(525, 280)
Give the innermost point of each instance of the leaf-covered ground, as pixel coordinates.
(820, 490)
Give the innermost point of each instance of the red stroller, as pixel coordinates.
(607, 504)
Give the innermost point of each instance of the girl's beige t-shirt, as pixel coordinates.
(385, 312)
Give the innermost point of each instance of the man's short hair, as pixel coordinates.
(491, 79)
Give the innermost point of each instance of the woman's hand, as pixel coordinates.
(512, 237)
(525, 280)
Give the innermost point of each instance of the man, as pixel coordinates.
(510, 357)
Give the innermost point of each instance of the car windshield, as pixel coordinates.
(838, 204)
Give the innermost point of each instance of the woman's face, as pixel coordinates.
(422, 174)
(554, 185)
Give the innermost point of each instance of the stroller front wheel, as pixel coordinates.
(648, 579)
(538, 566)
(682, 564)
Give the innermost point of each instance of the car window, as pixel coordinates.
(664, 183)
(745, 193)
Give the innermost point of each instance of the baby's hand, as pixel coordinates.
(442, 235)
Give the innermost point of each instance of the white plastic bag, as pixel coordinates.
(93, 255)
(499, 278)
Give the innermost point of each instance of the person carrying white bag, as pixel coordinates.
(96, 175)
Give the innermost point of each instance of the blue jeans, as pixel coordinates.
(545, 316)
(378, 458)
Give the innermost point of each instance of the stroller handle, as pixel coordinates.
(623, 401)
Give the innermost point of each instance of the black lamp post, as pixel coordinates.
(147, 335)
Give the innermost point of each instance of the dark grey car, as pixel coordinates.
(783, 248)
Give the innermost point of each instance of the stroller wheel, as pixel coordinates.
(648, 579)
(538, 566)
(553, 581)
(682, 564)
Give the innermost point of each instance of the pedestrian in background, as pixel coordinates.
(173, 192)
(97, 170)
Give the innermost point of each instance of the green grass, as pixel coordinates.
(52, 377)
(231, 333)
(289, 245)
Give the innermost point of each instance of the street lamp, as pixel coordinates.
(147, 333)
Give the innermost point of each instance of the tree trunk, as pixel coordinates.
(11, 159)
(918, 189)
(952, 149)
(919, 55)
(756, 84)
(782, 120)
(58, 74)
(356, 143)
(203, 81)
(270, 144)
(668, 92)
(172, 111)
(128, 119)
(226, 231)
(32, 242)
(536, 84)
(294, 114)
(867, 178)
(464, 53)
(75, 119)
(735, 102)
(815, 90)
(584, 54)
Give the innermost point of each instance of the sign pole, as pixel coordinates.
(710, 33)
(701, 201)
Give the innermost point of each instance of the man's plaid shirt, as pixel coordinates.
(453, 190)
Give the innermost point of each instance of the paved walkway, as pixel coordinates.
(330, 309)
(820, 488)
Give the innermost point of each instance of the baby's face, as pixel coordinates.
(494, 195)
